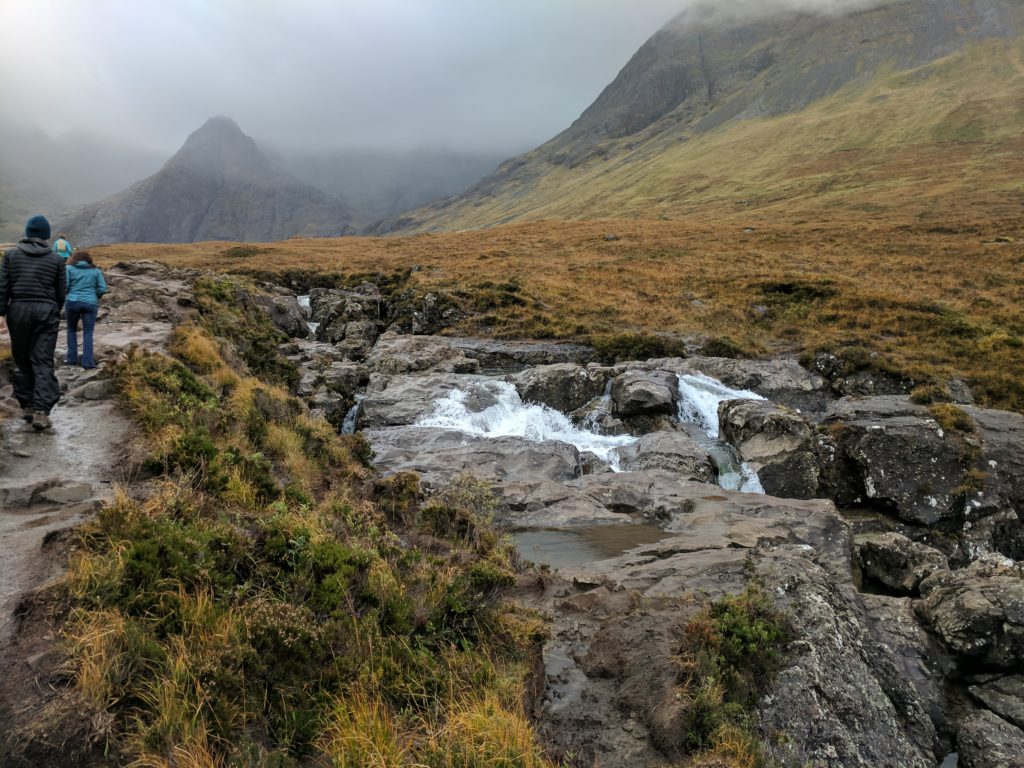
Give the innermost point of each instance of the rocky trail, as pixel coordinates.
(888, 530)
(54, 480)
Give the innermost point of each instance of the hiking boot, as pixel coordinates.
(41, 421)
(27, 414)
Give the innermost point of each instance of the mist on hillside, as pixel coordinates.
(385, 107)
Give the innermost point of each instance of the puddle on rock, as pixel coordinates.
(570, 549)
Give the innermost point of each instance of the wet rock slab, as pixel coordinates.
(440, 454)
(612, 686)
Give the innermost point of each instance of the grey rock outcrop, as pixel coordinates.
(892, 452)
(896, 562)
(510, 356)
(777, 442)
(404, 400)
(440, 454)
(985, 740)
(337, 310)
(783, 380)
(1004, 696)
(644, 394)
(978, 611)
(283, 309)
(398, 354)
(674, 452)
(565, 387)
(841, 695)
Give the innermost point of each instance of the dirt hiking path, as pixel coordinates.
(54, 480)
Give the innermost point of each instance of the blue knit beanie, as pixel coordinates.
(38, 227)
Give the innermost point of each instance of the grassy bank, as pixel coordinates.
(269, 601)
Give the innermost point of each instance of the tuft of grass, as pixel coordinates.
(730, 652)
(951, 418)
(636, 346)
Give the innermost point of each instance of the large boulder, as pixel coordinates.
(345, 378)
(335, 308)
(985, 740)
(397, 354)
(565, 387)
(439, 454)
(896, 562)
(776, 441)
(284, 311)
(978, 611)
(639, 393)
(675, 452)
(404, 400)
(889, 451)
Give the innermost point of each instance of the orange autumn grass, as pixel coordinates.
(923, 300)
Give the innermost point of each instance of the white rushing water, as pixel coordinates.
(304, 305)
(511, 417)
(348, 424)
(699, 398)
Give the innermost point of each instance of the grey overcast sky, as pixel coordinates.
(491, 75)
(476, 75)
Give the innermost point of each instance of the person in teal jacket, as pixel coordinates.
(85, 287)
(62, 247)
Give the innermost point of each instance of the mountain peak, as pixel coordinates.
(220, 146)
(221, 125)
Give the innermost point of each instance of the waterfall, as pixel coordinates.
(304, 305)
(511, 417)
(699, 397)
(348, 425)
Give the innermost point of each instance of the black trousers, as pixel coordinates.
(34, 326)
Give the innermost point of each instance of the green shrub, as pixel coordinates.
(636, 346)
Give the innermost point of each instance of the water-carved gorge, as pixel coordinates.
(650, 487)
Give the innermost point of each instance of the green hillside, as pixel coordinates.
(933, 139)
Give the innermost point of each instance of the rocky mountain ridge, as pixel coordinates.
(698, 117)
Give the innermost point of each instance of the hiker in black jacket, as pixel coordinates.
(32, 289)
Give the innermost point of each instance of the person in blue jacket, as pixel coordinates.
(62, 247)
(85, 286)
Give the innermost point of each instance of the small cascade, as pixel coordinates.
(305, 306)
(601, 407)
(348, 425)
(511, 417)
(699, 397)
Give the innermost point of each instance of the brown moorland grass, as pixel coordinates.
(920, 299)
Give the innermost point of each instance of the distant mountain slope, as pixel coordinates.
(218, 186)
(908, 107)
(43, 174)
(382, 183)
